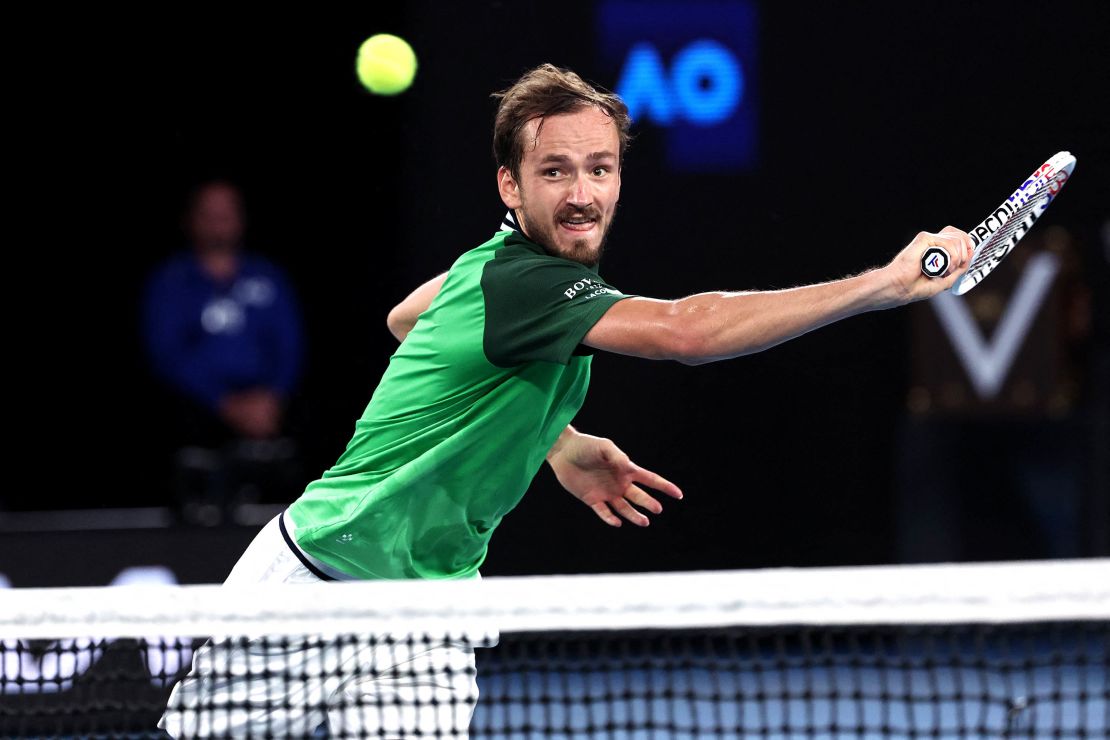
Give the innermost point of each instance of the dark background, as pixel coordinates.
(876, 122)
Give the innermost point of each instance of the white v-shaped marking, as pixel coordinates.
(988, 363)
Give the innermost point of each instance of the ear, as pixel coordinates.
(508, 187)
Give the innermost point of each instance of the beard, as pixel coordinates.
(580, 250)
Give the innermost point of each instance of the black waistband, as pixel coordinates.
(297, 551)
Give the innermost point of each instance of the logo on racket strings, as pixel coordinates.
(1037, 191)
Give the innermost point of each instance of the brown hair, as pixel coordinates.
(548, 91)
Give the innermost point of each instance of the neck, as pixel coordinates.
(219, 264)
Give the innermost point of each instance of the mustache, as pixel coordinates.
(590, 212)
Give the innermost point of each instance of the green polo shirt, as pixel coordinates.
(462, 419)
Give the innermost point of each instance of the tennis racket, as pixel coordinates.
(1003, 229)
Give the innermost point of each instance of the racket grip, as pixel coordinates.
(935, 262)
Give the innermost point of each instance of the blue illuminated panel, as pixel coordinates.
(688, 68)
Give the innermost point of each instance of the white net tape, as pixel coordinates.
(944, 594)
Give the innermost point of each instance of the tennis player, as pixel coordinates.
(493, 366)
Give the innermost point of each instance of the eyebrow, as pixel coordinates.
(592, 156)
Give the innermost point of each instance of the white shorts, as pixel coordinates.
(356, 687)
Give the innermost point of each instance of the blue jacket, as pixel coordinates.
(208, 339)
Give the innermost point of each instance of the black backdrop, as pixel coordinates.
(915, 116)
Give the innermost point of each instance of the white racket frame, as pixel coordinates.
(1000, 232)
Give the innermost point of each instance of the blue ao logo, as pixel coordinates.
(704, 84)
(687, 69)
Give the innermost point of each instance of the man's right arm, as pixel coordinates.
(716, 326)
(404, 315)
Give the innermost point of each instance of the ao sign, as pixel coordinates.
(703, 86)
(687, 69)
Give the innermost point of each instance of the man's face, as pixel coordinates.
(216, 221)
(569, 183)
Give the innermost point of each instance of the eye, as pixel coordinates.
(553, 172)
(601, 171)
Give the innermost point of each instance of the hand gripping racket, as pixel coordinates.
(1002, 230)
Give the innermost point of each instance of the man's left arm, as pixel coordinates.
(404, 315)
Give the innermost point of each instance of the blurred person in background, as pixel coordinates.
(222, 328)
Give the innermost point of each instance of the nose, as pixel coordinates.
(580, 194)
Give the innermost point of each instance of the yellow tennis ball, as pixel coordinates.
(386, 64)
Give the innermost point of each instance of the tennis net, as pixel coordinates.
(960, 651)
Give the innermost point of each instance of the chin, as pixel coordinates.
(584, 253)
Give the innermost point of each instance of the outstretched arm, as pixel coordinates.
(716, 326)
(404, 315)
(599, 474)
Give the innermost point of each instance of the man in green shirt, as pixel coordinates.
(476, 396)
(493, 366)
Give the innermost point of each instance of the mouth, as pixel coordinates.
(578, 222)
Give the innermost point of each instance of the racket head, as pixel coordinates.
(1000, 232)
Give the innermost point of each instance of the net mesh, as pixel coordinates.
(1020, 650)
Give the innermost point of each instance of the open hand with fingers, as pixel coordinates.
(600, 475)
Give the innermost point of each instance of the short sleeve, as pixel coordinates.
(539, 307)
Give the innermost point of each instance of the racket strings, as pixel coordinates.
(1039, 192)
(997, 241)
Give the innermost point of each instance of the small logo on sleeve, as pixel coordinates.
(591, 287)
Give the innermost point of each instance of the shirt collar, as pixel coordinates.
(509, 223)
